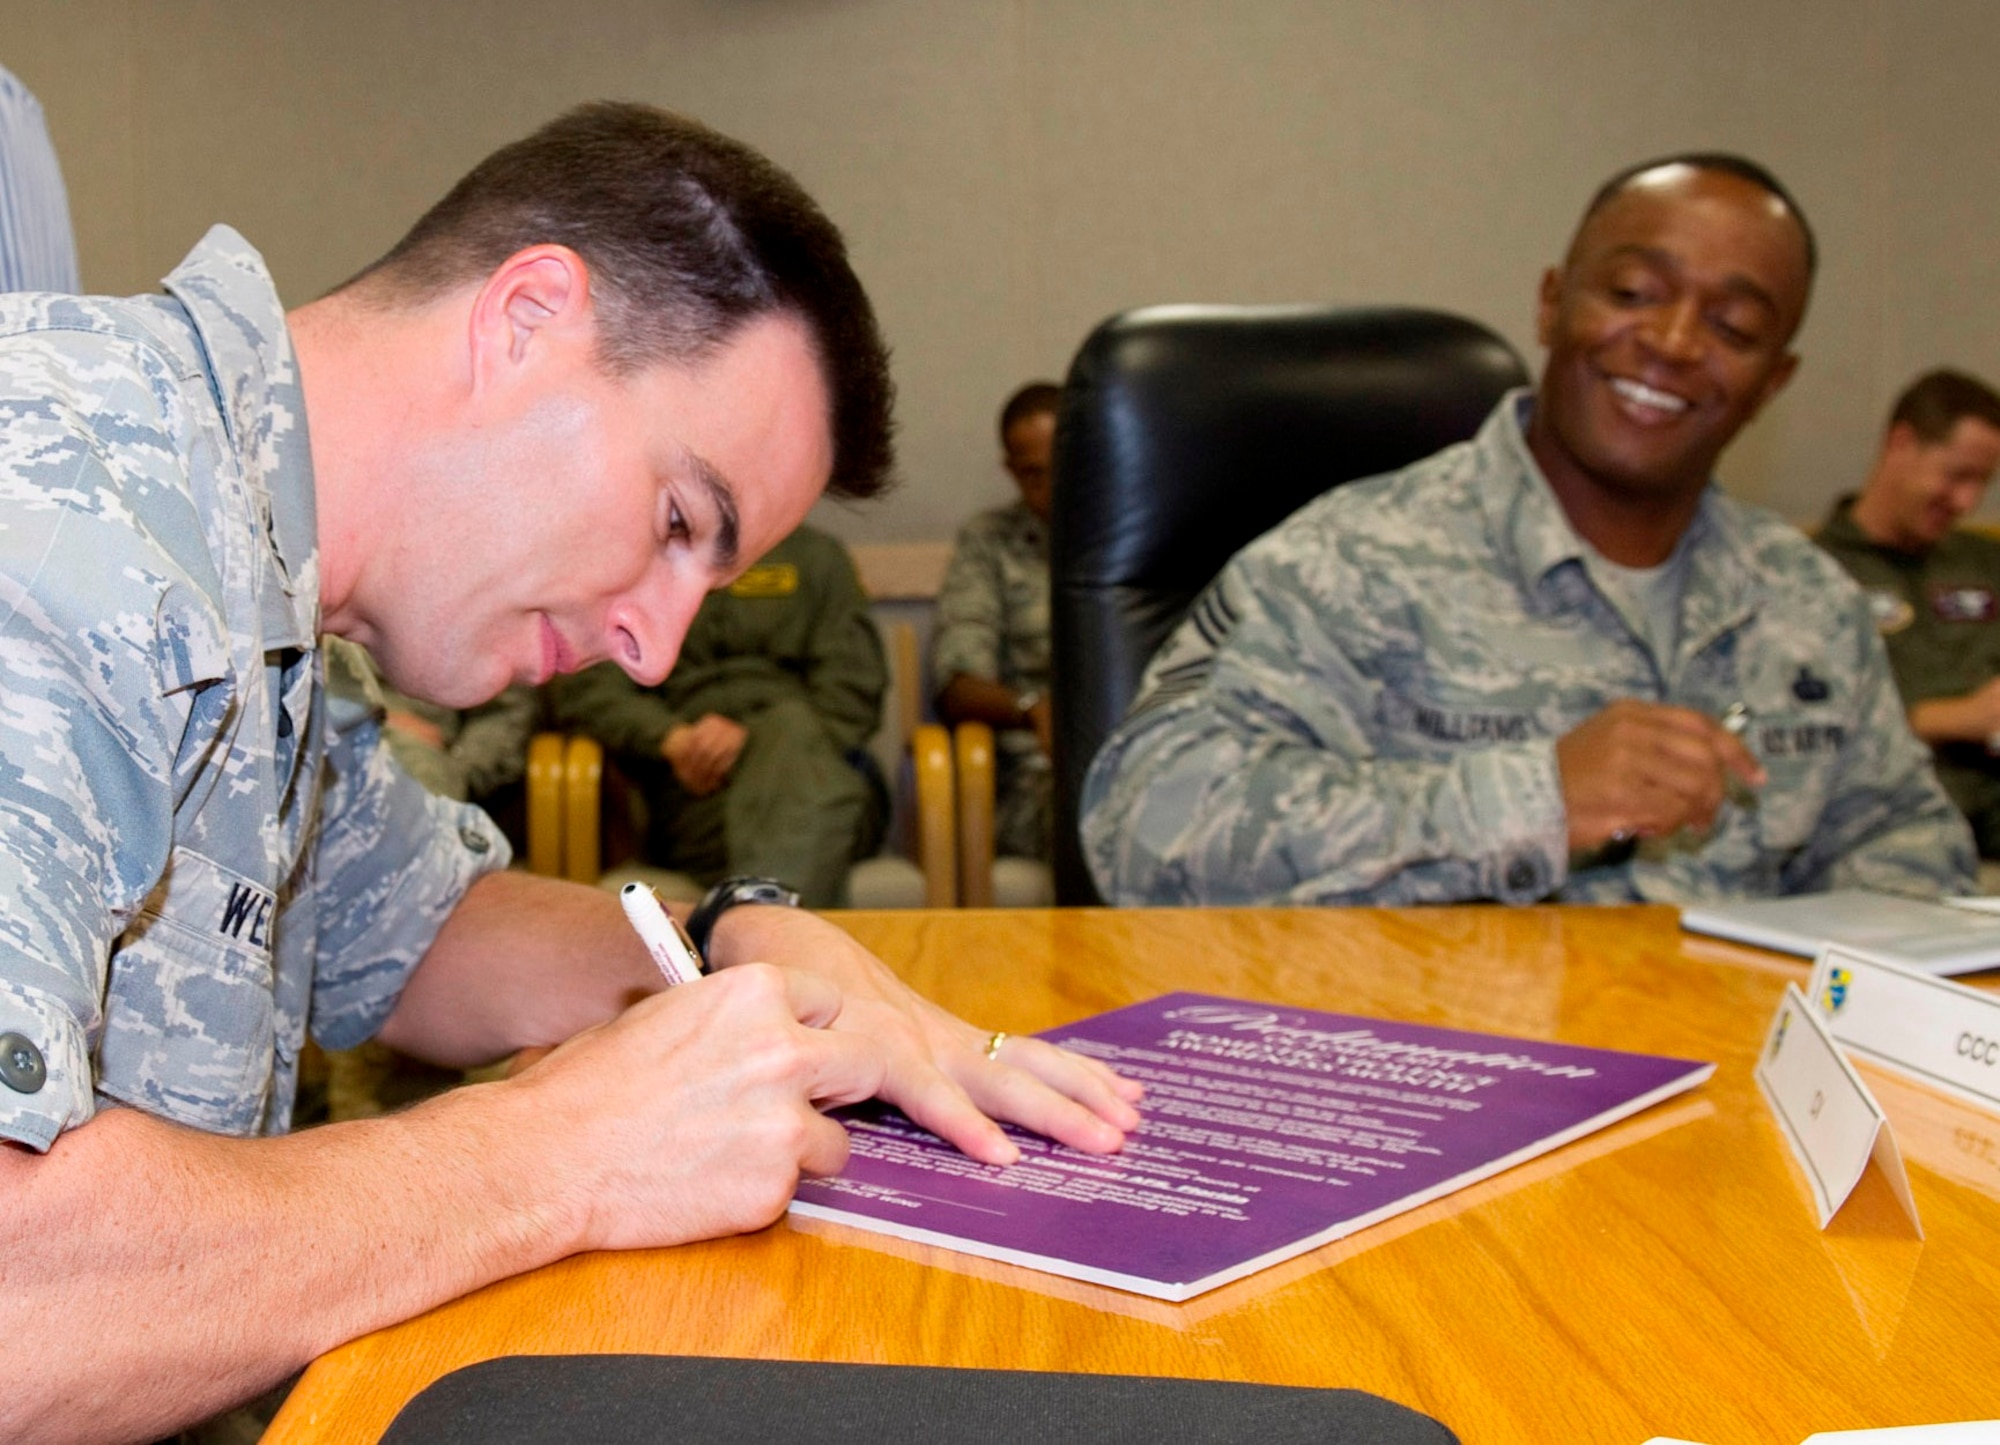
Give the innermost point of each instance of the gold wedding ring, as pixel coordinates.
(993, 1045)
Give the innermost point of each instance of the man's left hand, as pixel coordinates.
(938, 1071)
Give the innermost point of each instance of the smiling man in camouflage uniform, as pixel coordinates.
(618, 361)
(1555, 661)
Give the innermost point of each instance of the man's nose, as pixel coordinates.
(654, 622)
(1965, 497)
(1675, 331)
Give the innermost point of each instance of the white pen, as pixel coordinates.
(664, 938)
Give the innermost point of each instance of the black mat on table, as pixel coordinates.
(615, 1399)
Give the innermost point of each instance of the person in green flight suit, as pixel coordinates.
(1934, 588)
(750, 754)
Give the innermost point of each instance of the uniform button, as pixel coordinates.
(1522, 875)
(474, 840)
(21, 1066)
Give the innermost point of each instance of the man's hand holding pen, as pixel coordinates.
(1645, 770)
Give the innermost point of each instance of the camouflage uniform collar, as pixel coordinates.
(240, 322)
(1524, 516)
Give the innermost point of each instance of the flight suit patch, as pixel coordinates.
(1967, 602)
(767, 579)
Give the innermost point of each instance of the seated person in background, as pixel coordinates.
(749, 755)
(992, 642)
(1935, 591)
(37, 249)
(1555, 661)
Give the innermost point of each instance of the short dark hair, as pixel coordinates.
(1728, 164)
(1031, 400)
(1933, 405)
(688, 235)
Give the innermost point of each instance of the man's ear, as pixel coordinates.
(1547, 304)
(535, 300)
(1902, 438)
(1782, 373)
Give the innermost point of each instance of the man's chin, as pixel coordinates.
(442, 687)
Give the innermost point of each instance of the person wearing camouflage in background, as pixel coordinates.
(1554, 661)
(991, 648)
(619, 360)
(749, 754)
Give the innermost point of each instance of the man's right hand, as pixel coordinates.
(703, 752)
(693, 1113)
(1644, 770)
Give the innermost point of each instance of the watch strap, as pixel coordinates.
(728, 894)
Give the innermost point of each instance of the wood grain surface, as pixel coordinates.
(1663, 1277)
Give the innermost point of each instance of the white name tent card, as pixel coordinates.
(1832, 1123)
(1927, 1028)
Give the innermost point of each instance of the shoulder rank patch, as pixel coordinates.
(767, 579)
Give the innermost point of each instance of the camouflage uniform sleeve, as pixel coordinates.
(971, 609)
(1889, 824)
(492, 743)
(846, 673)
(1247, 773)
(389, 864)
(603, 703)
(107, 645)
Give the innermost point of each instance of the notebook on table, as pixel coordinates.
(1931, 937)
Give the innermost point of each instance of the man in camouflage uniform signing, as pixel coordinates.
(620, 360)
(749, 754)
(1934, 590)
(1555, 661)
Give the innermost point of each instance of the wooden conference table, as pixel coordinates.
(1662, 1277)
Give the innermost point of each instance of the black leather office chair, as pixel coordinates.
(1187, 431)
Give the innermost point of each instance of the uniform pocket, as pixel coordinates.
(190, 1020)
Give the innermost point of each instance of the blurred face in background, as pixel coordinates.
(1030, 445)
(1921, 489)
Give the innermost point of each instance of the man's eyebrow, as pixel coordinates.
(1739, 283)
(728, 530)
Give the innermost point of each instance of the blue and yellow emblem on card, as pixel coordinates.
(1833, 997)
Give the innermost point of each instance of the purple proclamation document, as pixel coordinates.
(1267, 1132)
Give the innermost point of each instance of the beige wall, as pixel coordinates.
(1011, 171)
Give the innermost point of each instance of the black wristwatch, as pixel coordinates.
(728, 894)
